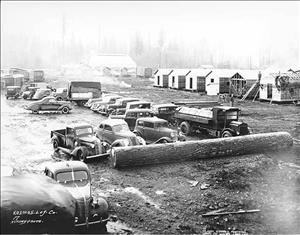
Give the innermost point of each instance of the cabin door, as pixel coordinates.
(269, 91)
(191, 83)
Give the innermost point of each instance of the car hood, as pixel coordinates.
(126, 134)
(89, 139)
(79, 190)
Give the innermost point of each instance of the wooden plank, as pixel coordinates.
(192, 150)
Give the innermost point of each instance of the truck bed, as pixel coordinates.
(203, 115)
(59, 133)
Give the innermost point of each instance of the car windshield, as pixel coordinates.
(71, 176)
(161, 124)
(121, 128)
(84, 131)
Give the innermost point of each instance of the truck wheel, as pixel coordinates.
(185, 128)
(82, 103)
(55, 145)
(81, 156)
(226, 134)
(65, 110)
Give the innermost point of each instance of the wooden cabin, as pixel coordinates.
(280, 87)
(195, 81)
(161, 77)
(242, 81)
(218, 81)
(177, 78)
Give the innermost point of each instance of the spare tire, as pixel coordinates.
(35, 204)
(185, 128)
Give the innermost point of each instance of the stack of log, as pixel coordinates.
(192, 150)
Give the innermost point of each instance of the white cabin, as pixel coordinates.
(196, 80)
(177, 78)
(161, 77)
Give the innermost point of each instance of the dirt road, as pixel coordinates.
(171, 198)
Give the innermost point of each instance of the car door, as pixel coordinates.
(45, 104)
(70, 138)
(149, 131)
(53, 104)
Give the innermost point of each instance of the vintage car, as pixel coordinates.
(131, 115)
(107, 100)
(41, 93)
(76, 178)
(36, 204)
(156, 130)
(29, 92)
(133, 105)
(60, 94)
(165, 111)
(120, 103)
(92, 100)
(13, 92)
(116, 133)
(49, 104)
(79, 142)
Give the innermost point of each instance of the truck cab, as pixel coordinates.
(76, 178)
(165, 111)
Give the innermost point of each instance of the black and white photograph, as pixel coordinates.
(150, 117)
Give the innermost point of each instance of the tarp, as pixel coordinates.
(35, 204)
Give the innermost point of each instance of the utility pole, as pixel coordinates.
(63, 37)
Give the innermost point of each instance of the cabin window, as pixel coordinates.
(173, 81)
(158, 80)
(212, 80)
(191, 83)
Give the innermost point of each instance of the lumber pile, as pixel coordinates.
(192, 150)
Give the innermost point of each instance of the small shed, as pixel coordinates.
(242, 81)
(280, 87)
(218, 81)
(178, 78)
(196, 80)
(161, 77)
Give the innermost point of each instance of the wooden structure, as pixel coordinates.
(195, 81)
(242, 81)
(280, 87)
(218, 81)
(192, 150)
(177, 78)
(161, 77)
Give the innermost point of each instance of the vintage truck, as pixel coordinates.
(120, 103)
(218, 121)
(76, 178)
(13, 92)
(165, 111)
(81, 91)
(79, 142)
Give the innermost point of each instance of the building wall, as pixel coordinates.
(263, 93)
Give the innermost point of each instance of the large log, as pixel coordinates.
(192, 150)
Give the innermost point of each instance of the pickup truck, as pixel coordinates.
(76, 178)
(79, 142)
(120, 103)
(217, 121)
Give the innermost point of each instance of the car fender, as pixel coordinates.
(162, 139)
(120, 143)
(76, 149)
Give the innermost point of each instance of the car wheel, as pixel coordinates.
(226, 134)
(164, 142)
(35, 111)
(81, 156)
(59, 99)
(185, 128)
(65, 110)
(55, 145)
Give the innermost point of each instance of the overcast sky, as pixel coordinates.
(240, 27)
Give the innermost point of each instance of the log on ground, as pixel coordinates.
(192, 150)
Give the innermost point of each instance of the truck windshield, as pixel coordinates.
(84, 131)
(161, 124)
(69, 176)
(120, 128)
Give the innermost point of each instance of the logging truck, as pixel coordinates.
(218, 121)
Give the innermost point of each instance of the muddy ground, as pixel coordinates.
(171, 198)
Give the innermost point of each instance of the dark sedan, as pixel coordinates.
(49, 104)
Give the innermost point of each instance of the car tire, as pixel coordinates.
(65, 110)
(35, 111)
(81, 156)
(59, 99)
(226, 134)
(55, 145)
(185, 128)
